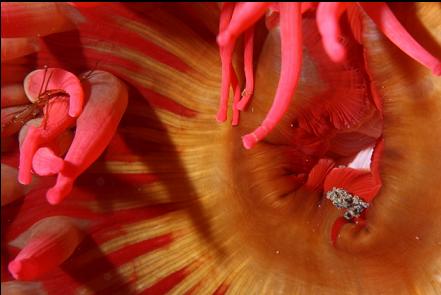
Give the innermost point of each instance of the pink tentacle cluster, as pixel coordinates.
(229, 78)
(43, 146)
(57, 114)
(95, 128)
(239, 18)
(290, 30)
(50, 242)
(328, 17)
(37, 137)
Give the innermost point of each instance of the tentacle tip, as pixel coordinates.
(241, 104)
(223, 39)
(15, 267)
(74, 113)
(25, 179)
(249, 141)
(336, 52)
(55, 167)
(54, 196)
(241, 107)
(59, 192)
(221, 117)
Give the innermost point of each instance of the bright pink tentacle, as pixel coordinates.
(27, 151)
(95, 128)
(249, 72)
(236, 89)
(226, 54)
(291, 48)
(245, 15)
(385, 19)
(57, 122)
(51, 241)
(328, 15)
(46, 162)
(60, 79)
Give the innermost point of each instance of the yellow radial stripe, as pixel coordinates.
(203, 272)
(169, 138)
(245, 280)
(154, 162)
(226, 276)
(149, 164)
(211, 281)
(161, 193)
(151, 267)
(159, 264)
(147, 229)
(154, 75)
(203, 121)
(182, 45)
(174, 223)
(196, 94)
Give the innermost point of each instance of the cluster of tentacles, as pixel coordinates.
(44, 140)
(346, 112)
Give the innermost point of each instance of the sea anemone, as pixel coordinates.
(118, 178)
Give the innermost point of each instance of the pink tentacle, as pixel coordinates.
(305, 6)
(51, 241)
(45, 162)
(95, 128)
(249, 72)
(236, 89)
(385, 19)
(245, 15)
(57, 122)
(328, 16)
(291, 48)
(226, 54)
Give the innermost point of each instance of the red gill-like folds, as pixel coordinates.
(364, 183)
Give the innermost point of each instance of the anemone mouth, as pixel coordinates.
(332, 118)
